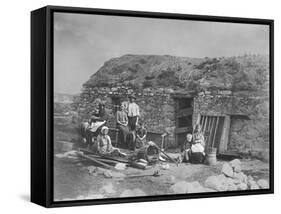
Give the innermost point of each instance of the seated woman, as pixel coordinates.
(140, 136)
(104, 145)
(198, 136)
(122, 125)
(197, 154)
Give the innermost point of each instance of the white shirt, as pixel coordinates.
(133, 110)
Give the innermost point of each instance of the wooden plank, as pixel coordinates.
(215, 131)
(182, 130)
(205, 124)
(104, 156)
(95, 161)
(225, 135)
(104, 159)
(211, 131)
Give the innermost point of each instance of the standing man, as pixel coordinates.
(133, 113)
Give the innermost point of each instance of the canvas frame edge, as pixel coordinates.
(45, 173)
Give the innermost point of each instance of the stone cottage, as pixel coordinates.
(234, 120)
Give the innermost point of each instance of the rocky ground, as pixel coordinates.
(75, 179)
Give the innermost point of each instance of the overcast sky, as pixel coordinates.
(82, 43)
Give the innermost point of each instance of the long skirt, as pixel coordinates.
(123, 132)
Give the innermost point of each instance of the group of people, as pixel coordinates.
(193, 147)
(132, 133)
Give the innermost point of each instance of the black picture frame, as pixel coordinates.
(42, 104)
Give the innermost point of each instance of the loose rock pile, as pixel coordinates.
(231, 179)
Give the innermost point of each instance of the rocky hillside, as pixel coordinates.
(248, 72)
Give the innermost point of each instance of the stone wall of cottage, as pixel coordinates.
(245, 136)
(157, 108)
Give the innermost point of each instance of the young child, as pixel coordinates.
(140, 136)
(104, 145)
(186, 148)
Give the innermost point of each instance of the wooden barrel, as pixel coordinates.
(211, 156)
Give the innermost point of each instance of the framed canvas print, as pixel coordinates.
(134, 106)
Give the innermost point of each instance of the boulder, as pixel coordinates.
(234, 163)
(242, 186)
(253, 185)
(180, 187)
(237, 168)
(263, 184)
(165, 166)
(92, 169)
(232, 187)
(230, 184)
(107, 174)
(120, 166)
(240, 177)
(195, 187)
(250, 178)
(216, 182)
(227, 170)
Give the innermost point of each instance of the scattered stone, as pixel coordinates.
(216, 182)
(232, 187)
(250, 178)
(165, 166)
(180, 187)
(236, 165)
(242, 186)
(107, 174)
(237, 168)
(253, 185)
(235, 162)
(60, 155)
(240, 176)
(117, 175)
(108, 189)
(120, 166)
(263, 184)
(195, 187)
(227, 170)
(92, 169)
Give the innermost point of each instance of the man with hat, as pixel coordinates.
(133, 113)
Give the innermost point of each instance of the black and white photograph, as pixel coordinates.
(149, 106)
